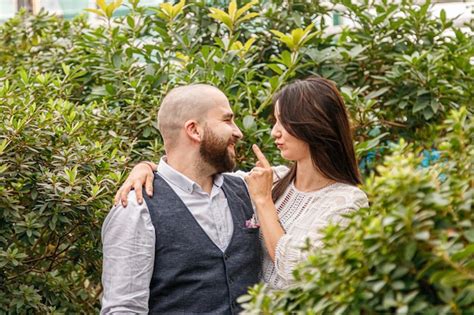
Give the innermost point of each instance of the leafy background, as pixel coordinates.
(78, 105)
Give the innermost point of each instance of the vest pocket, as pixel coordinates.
(251, 230)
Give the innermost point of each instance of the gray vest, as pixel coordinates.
(191, 274)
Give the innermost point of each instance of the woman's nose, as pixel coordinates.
(275, 132)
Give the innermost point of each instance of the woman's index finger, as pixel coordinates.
(261, 158)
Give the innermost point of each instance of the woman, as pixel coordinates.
(294, 204)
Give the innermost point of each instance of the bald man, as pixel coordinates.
(188, 249)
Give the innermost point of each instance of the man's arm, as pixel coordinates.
(128, 240)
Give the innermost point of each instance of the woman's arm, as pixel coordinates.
(142, 173)
(269, 225)
(259, 182)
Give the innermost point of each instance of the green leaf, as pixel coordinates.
(357, 50)
(117, 60)
(3, 145)
(65, 68)
(95, 11)
(101, 4)
(286, 39)
(232, 9)
(419, 106)
(178, 8)
(249, 122)
(410, 250)
(286, 58)
(377, 286)
(248, 17)
(276, 68)
(245, 8)
(442, 16)
(377, 93)
(469, 234)
(463, 254)
(130, 21)
(24, 76)
(428, 113)
(222, 17)
(423, 235)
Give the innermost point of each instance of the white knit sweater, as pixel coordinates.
(303, 215)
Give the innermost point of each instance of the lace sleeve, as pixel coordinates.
(289, 251)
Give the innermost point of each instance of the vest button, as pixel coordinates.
(226, 256)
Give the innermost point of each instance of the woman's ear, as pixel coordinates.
(193, 130)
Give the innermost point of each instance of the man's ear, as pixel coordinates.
(193, 130)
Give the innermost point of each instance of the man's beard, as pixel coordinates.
(214, 151)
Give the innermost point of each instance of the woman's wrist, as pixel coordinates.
(263, 200)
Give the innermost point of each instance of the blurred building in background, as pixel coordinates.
(462, 10)
(66, 8)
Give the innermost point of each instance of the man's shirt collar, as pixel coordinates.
(181, 181)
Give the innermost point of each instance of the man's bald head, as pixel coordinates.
(185, 103)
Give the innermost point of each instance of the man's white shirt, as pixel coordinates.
(128, 239)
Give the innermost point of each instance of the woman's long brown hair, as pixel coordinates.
(312, 110)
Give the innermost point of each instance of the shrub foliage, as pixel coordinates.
(78, 104)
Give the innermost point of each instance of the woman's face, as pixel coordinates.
(291, 148)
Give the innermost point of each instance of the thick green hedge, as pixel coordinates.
(78, 105)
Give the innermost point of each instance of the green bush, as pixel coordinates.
(78, 106)
(411, 252)
(59, 164)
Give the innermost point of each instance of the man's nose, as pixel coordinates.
(237, 133)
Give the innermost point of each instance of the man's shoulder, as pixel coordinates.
(120, 215)
(132, 202)
(233, 180)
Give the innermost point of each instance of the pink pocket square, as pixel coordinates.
(252, 223)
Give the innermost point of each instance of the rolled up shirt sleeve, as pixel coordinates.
(128, 240)
(289, 249)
